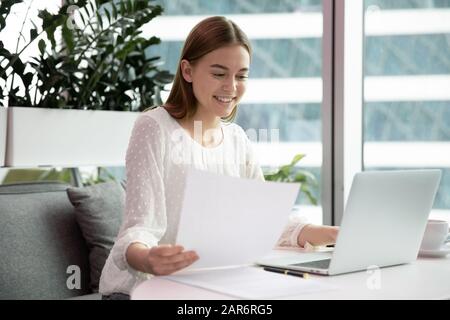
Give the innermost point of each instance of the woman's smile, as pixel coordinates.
(224, 100)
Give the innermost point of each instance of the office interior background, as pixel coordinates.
(405, 85)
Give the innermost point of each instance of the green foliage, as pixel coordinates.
(28, 175)
(101, 64)
(55, 174)
(99, 177)
(288, 173)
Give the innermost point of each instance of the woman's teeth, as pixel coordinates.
(224, 99)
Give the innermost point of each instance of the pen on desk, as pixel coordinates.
(288, 272)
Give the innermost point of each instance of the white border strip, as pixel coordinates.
(407, 154)
(256, 26)
(376, 89)
(402, 154)
(309, 24)
(284, 90)
(277, 154)
(407, 22)
(407, 88)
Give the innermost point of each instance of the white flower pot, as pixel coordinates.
(3, 122)
(67, 138)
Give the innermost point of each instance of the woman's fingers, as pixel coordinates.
(166, 250)
(166, 269)
(166, 259)
(173, 267)
(183, 264)
(187, 255)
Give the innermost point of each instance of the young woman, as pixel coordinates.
(193, 129)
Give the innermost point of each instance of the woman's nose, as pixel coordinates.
(230, 85)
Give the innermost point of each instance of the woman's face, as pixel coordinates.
(219, 79)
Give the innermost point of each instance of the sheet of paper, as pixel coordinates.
(232, 221)
(251, 283)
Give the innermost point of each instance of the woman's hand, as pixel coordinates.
(317, 235)
(159, 260)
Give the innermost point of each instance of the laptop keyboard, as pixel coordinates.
(319, 264)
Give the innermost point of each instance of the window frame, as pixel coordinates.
(342, 137)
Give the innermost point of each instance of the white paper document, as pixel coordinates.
(232, 221)
(250, 283)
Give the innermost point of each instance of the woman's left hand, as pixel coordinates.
(317, 235)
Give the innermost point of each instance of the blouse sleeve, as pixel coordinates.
(289, 237)
(295, 224)
(145, 210)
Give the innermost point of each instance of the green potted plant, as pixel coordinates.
(98, 71)
(289, 173)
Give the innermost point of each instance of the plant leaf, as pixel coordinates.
(114, 11)
(33, 34)
(297, 158)
(100, 20)
(304, 188)
(42, 45)
(108, 15)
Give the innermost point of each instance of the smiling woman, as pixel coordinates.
(165, 143)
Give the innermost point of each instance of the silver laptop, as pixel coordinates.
(383, 224)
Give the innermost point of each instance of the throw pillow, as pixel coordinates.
(98, 210)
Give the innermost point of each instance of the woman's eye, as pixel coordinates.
(220, 75)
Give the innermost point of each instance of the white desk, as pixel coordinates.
(425, 278)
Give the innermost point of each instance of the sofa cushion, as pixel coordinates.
(40, 240)
(98, 209)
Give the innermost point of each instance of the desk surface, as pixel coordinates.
(425, 278)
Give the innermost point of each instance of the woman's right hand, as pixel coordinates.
(160, 260)
(167, 259)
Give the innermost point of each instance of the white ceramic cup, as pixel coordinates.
(435, 235)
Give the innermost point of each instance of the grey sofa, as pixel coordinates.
(41, 244)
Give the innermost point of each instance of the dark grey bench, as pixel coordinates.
(40, 241)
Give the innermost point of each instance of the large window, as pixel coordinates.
(406, 108)
(407, 89)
